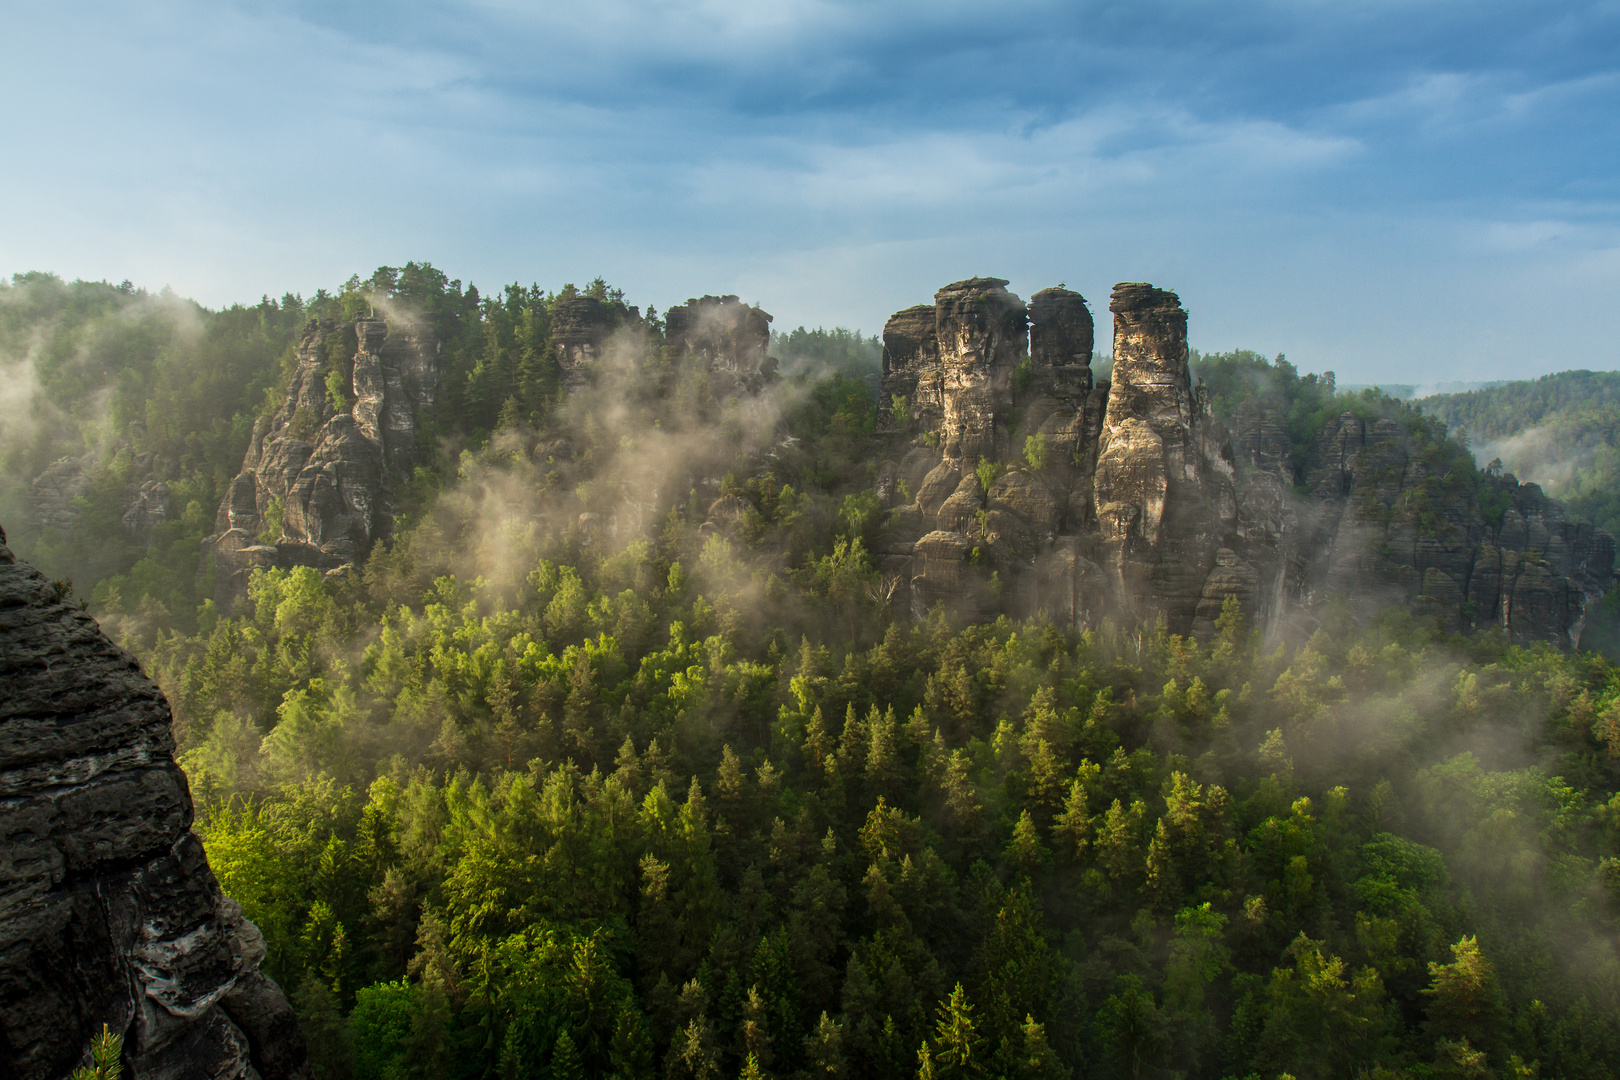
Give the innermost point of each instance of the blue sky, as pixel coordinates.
(1400, 190)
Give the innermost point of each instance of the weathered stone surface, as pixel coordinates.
(911, 375)
(52, 494)
(728, 336)
(1136, 502)
(108, 910)
(329, 460)
(983, 337)
(1021, 493)
(940, 483)
(1164, 477)
(960, 512)
(148, 509)
(580, 326)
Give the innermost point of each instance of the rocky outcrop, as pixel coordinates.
(724, 335)
(149, 508)
(580, 327)
(1395, 531)
(911, 396)
(1017, 484)
(1164, 476)
(318, 481)
(983, 334)
(109, 913)
(53, 495)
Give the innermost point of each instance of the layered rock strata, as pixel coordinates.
(580, 327)
(1164, 478)
(1017, 484)
(109, 913)
(721, 333)
(318, 480)
(54, 495)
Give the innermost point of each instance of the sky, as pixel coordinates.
(1397, 190)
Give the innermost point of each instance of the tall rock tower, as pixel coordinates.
(1164, 478)
(983, 336)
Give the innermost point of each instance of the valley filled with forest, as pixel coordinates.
(571, 690)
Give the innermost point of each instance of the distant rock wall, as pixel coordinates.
(53, 495)
(1128, 499)
(730, 338)
(328, 462)
(580, 326)
(109, 912)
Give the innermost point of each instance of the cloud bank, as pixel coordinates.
(1398, 191)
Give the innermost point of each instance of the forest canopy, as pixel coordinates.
(519, 796)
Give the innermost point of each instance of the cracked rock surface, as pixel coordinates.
(109, 912)
(1125, 498)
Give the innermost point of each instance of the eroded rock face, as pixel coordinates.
(1017, 484)
(729, 336)
(53, 492)
(911, 374)
(580, 326)
(318, 481)
(109, 912)
(983, 334)
(1163, 484)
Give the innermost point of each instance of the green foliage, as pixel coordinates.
(846, 352)
(505, 838)
(337, 391)
(513, 800)
(1037, 451)
(130, 386)
(107, 1057)
(1561, 431)
(987, 471)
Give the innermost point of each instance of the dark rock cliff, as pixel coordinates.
(318, 481)
(109, 913)
(1019, 485)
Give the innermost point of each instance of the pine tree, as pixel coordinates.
(1025, 849)
(956, 1045)
(1464, 1001)
(824, 1047)
(565, 1063)
(752, 1070)
(106, 1057)
(1072, 828)
(1037, 1060)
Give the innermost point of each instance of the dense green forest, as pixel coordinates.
(520, 799)
(1561, 431)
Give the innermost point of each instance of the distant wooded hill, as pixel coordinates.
(1559, 431)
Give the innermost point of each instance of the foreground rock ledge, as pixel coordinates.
(109, 912)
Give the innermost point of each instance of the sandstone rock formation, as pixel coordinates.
(318, 480)
(53, 496)
(109, 912)
(580, 326)
(1016, 484)
(725, 335)
(1163, 482)
(53, 493)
